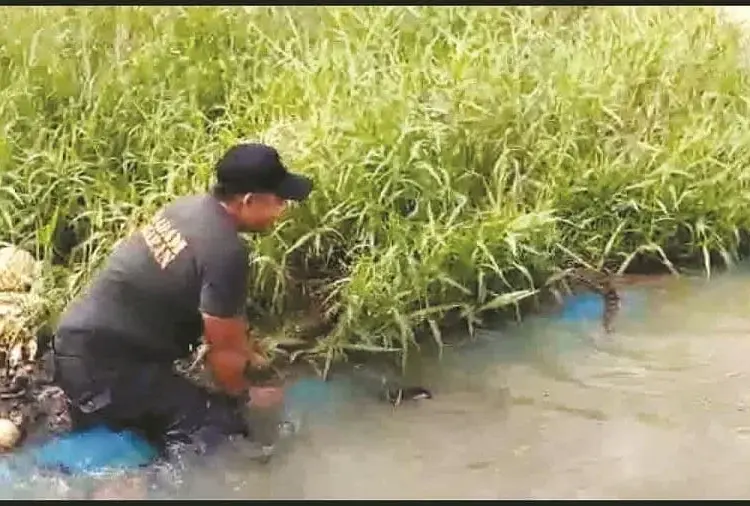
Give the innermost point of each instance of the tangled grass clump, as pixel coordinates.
(22, 306)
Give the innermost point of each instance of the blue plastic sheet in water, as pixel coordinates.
(590, 306)
(585, 306)
(314, 395)
(307, 392)
(100, 449)
(93, 450)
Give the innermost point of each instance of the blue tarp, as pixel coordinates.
(96, 449)
(585, 306)
(589, 306)
(80, 454)
(100, 449)
(308, 392)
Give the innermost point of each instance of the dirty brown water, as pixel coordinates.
(547, 409)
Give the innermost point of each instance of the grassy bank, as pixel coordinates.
(460, 155)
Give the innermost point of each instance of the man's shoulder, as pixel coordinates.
(205, 224)
(199, 203)
(199, 213)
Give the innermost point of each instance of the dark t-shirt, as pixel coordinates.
(147, 300)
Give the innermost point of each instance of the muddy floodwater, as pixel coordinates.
(547, 409)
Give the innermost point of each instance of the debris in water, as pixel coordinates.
(387, 385)
(399, 394)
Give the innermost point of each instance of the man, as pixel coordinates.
(183, 275)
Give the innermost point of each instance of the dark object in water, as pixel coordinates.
(390, 388)
(397, 395)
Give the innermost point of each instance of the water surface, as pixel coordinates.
(547, 409)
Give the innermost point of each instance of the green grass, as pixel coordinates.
(461, 155)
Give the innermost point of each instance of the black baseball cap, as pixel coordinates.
(257, 168)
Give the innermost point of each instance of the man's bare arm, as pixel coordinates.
(229, 351)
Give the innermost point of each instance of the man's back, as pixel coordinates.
(145, 302)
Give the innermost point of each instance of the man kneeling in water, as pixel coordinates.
(183, 275)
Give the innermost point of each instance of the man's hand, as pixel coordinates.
(256, 357)
(262, 393)
(266, 396)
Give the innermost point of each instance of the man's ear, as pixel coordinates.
(247, 198)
